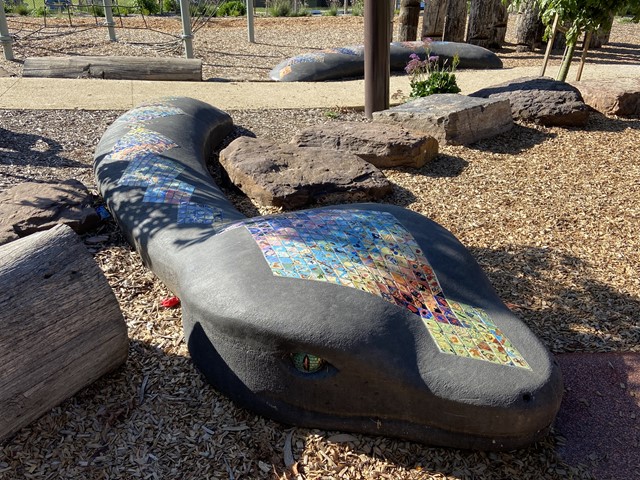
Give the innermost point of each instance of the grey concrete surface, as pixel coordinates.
(87, 94)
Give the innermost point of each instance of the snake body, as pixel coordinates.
(366, 317)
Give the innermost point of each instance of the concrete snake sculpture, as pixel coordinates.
(364, 317)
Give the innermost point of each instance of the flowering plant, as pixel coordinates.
(428, 76)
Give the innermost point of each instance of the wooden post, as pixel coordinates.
(481, 14)
(376, 57)
(60, 325)
(5, 38)
(547, 53)
(433, 19)
(408, 20)
(455, 21)
(583, 57)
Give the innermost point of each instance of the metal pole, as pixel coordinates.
(250, 29)
(187, 36)
(376, 56)
(5, 38)
(108, 14)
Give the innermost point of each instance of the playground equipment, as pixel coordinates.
(363, 317)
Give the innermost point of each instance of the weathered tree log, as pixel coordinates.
(529, 27)
(408, 20)
(499, 29)
(455, 21)
(114, 68)
(60, 325)
(481, 13)
(601, 36)
(433, 18)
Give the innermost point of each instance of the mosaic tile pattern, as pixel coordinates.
(168, 190)
(307, 58)
(373, 252)
(143, 113)
(196, 213)
(147, 169)
(139, 140)
(354, 51)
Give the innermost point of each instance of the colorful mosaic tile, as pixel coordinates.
(143, 113)
(353, 51)
(168, 190)
(307, 58)
(285, 71)
(196, 213)
(147, 169)
(373, 252)
(139, 140)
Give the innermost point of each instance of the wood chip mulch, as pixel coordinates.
(552, 215)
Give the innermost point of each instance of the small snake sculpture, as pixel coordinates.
(365, 317)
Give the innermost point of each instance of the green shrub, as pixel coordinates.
(428, 76)
(96, 10)
(40, 11)
(171, 6)
(302, 12)
(280, 8)
(233, 8)
(22, 9)
(357, 8)
(147, 7)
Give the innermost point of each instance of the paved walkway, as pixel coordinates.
(50, 93)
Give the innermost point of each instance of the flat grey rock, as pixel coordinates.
(31, 207)
(542, 100)
(287, 176)
(380, 144)
(364, 317)
(452, 119)
(615, 96)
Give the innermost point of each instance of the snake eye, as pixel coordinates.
(307, 363)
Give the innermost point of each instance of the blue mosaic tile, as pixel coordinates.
(168, 190)
(148, 169)
(143, 113)
(196, 213)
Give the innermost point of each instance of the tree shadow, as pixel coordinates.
(520, 138)
(23, 148)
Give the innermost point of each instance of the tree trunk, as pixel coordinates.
(114, 68)
(566, 62)
(433, 18)
(500, 19)
(60, 325)
(408, 20)
(529, 27)
(455, 21)
(480, 28)
(601, 36)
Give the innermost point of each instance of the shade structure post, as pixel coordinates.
(187, 36)
(376, 56)
(5, 38)
(108, 15)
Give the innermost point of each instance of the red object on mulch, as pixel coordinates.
(170, 302)
(600, 413)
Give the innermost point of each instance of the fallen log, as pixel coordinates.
(115, 68)
(60, 325)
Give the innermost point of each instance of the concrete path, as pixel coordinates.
(88, 94)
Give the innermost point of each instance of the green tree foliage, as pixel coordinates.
(581, 16)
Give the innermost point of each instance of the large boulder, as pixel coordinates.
(452, 119)
(542, 100)
(288, 176)
(379, 144)
(32, 207)
(612, 96)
